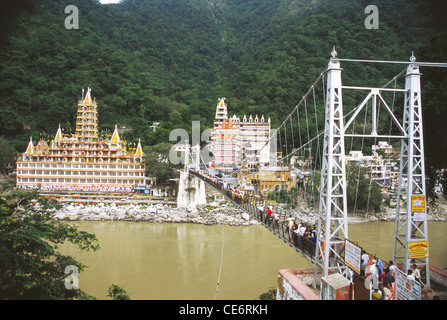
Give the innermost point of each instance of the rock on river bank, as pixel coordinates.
(217, 212)
(157, 213)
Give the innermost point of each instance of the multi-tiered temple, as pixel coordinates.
(83, 161)
(236, 142)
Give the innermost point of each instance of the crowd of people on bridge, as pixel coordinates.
(304, 237)
(382, 276)
(232, 191)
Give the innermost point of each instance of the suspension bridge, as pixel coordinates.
(320, 150)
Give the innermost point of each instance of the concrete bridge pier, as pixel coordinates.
(191, 191)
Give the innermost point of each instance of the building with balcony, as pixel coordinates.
(236, 142)
(268, 179)
(82, 161)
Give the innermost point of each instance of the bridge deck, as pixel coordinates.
(280, 227)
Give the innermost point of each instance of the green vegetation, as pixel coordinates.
(7, 154)
(435, 113)
(157, 162)
(168, 61)
(31, 267)
(283, 196)
(269, 295)
(117, 293)
(363, 193)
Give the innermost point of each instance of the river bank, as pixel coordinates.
(214, 213)
(436, 212)
(217, 212)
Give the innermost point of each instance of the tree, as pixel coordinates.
(31, 267)
(313, 185)
(434, 113)
(158, 162)
(362, 192)
(7, 153)
(269, 295)
(117, 293)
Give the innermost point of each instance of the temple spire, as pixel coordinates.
(115, 136)
(58, 136)
(88, 98)
(30, 148)
(86, 119)
(221, 110)
(139, 152)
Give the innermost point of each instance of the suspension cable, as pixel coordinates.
(424, 64)
(287, 118)
(221, 262)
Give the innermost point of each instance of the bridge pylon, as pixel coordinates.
(332, 212)
(411, 218)
(411, 235)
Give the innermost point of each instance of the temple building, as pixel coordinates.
(82, 161)
(236, 142)
(269, 179)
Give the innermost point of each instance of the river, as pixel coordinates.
(160, 261)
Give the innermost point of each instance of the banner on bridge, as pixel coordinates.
(418, 207)
(418, 249)
(405, 288)
(353, 256)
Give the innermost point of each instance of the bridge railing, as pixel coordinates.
(279, 227)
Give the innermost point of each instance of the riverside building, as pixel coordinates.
(236, 142)
(82, 161)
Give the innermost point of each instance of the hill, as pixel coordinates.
(169, 60)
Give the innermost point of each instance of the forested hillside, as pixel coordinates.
(169, 60)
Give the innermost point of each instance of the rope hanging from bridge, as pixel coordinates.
(221, 263)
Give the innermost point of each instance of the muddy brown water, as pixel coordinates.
(197, 262)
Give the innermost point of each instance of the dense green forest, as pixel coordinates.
(169, 60)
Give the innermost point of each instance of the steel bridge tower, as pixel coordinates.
(411, 219)
(332, 218)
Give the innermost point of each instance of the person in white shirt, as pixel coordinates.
(302, 230)
(365, 259)
(374, 270)
(410, 274)
(276, 217)
(416, 273)
(392, 268)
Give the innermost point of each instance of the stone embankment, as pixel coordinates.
(213, 213)
(217, 212)
(437, 212)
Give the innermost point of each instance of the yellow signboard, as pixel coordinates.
(417, 203)
(418, 249)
